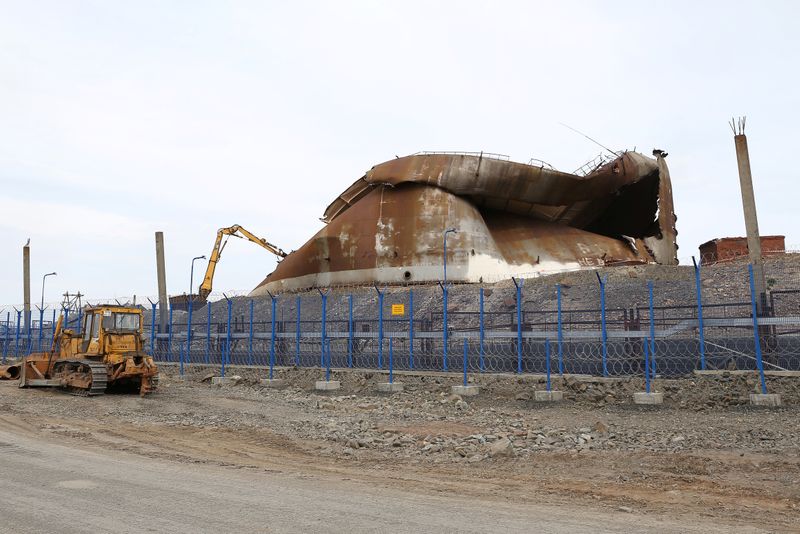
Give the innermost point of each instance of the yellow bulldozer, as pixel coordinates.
(107, 353)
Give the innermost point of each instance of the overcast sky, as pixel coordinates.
(123, 118)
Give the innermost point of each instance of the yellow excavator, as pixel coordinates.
(219, 245)
(107, 352)
(181, 302)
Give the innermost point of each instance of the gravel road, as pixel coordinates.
(48, 487)
(200, 458)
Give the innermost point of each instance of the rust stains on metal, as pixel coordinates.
(512, 219)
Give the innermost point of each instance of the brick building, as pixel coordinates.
(728, 248)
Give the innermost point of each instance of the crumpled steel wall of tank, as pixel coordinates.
(513, 219)
(394, 235)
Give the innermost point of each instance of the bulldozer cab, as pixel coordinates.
(108, 329)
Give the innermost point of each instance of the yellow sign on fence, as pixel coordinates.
(398, 309)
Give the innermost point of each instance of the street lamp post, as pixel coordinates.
(448, 231)
(191, 276)
(43, 279)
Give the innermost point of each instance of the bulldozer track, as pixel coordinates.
(68, 369)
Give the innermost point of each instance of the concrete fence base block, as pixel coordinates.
(272, 383)
(548, 396)
(225, 380)
(327, 385)
(765, 399)
(390, 387)
(642, 397)
(465, 391)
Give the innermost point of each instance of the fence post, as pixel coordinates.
(272, 338)
(646, 368)
(603, 331)
(444, 326)
(208, 333)
(41, 325)
(52, 326)
(481, 333)
(756, 337)
(66, 318)
(350, 330)
(560, 331)
(700, 330)
(324, 297)
(652, 328)
(169, 336)
(180, 352)
(152, 329)
(297, 334)
(226, 354)
(411, 329)
(189, 331)
(547, 360)
(5, 336)
(16, 337)
(391, 360)
(518, 285)
(250, 336)
(380, 327)
(465, 364)
(326, 348)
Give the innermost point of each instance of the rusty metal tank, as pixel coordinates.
(512, 219)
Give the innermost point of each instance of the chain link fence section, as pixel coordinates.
(588, 322)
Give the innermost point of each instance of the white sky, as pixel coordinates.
(123, 118)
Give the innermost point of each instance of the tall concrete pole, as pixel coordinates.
(163, 303)
(749, 206)
(26, 285)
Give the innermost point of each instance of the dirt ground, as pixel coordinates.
(701, 457)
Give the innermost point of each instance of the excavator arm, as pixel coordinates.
(219, 246)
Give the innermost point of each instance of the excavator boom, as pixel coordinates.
(219, 245)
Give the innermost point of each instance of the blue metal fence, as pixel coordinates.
(667, 328)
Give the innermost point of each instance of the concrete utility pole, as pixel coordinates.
(163, 303)
(26, 284)
(749, 206)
